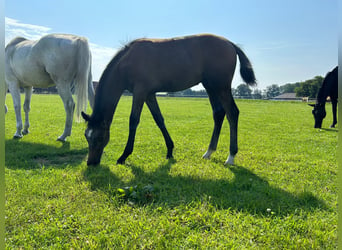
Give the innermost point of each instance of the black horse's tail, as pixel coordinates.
(246, 69)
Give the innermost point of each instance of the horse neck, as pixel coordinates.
(106, 99)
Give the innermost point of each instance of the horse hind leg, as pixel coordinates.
(6, 88)
(69, 106)
(15, 92)
(334, 111)
(218, 115)
(232, 113)
(28, 94)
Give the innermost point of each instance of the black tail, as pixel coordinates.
(246, 69)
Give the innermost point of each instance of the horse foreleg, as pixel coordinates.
(334, 111)
(218, 115)
(158, 118)
(69, 106)
(28, 94)
(134, 120)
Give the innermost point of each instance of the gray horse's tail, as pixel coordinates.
(82, 75)
(246, 69)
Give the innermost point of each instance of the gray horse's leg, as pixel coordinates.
(6, 88)
(69, 106)
(28, 94)
(15, 92)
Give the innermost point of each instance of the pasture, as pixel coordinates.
(281, 194)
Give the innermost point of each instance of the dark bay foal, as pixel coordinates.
(147, 66)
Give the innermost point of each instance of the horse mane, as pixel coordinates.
(97, 116)
(115, 60)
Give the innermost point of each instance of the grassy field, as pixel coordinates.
(281, 194)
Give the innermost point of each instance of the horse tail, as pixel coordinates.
(82, 75)
(246, 70)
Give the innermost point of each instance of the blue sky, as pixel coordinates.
(286, 41)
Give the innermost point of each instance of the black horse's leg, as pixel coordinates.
(334, 111)
(134, 119)
(158, 118)
(232, 113)
(218, 115)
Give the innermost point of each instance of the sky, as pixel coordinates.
(286, 41)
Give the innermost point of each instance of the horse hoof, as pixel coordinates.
(17, 136)
(25, 132)
(120, 161)
(61, 139)
(169, 157)
(207, 154)
(230, 160)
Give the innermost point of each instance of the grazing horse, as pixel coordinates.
(56, 59)
(329, 88)
(147, 66)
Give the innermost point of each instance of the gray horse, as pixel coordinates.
(56, 59)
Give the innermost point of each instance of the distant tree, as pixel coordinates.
(272, 91)
(243, 90)
(309, 87)
(187, 92)
(257, 94)
(289, 87)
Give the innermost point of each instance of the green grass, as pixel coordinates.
(281, 194)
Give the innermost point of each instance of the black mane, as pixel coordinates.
(105, 77)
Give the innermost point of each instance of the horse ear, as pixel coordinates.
(85, 116)
(312, 105)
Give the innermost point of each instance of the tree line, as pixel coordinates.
(308, 88)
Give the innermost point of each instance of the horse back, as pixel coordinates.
(169, 63)
(39, 63)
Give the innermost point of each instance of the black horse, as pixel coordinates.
(329, 88)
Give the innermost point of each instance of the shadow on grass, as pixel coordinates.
(246, 192)
(330, 129)
(27, 155)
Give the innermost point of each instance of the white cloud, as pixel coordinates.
(14, 28)
(100, 55)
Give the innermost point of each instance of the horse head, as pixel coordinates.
(97, 135)
(318, 113)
